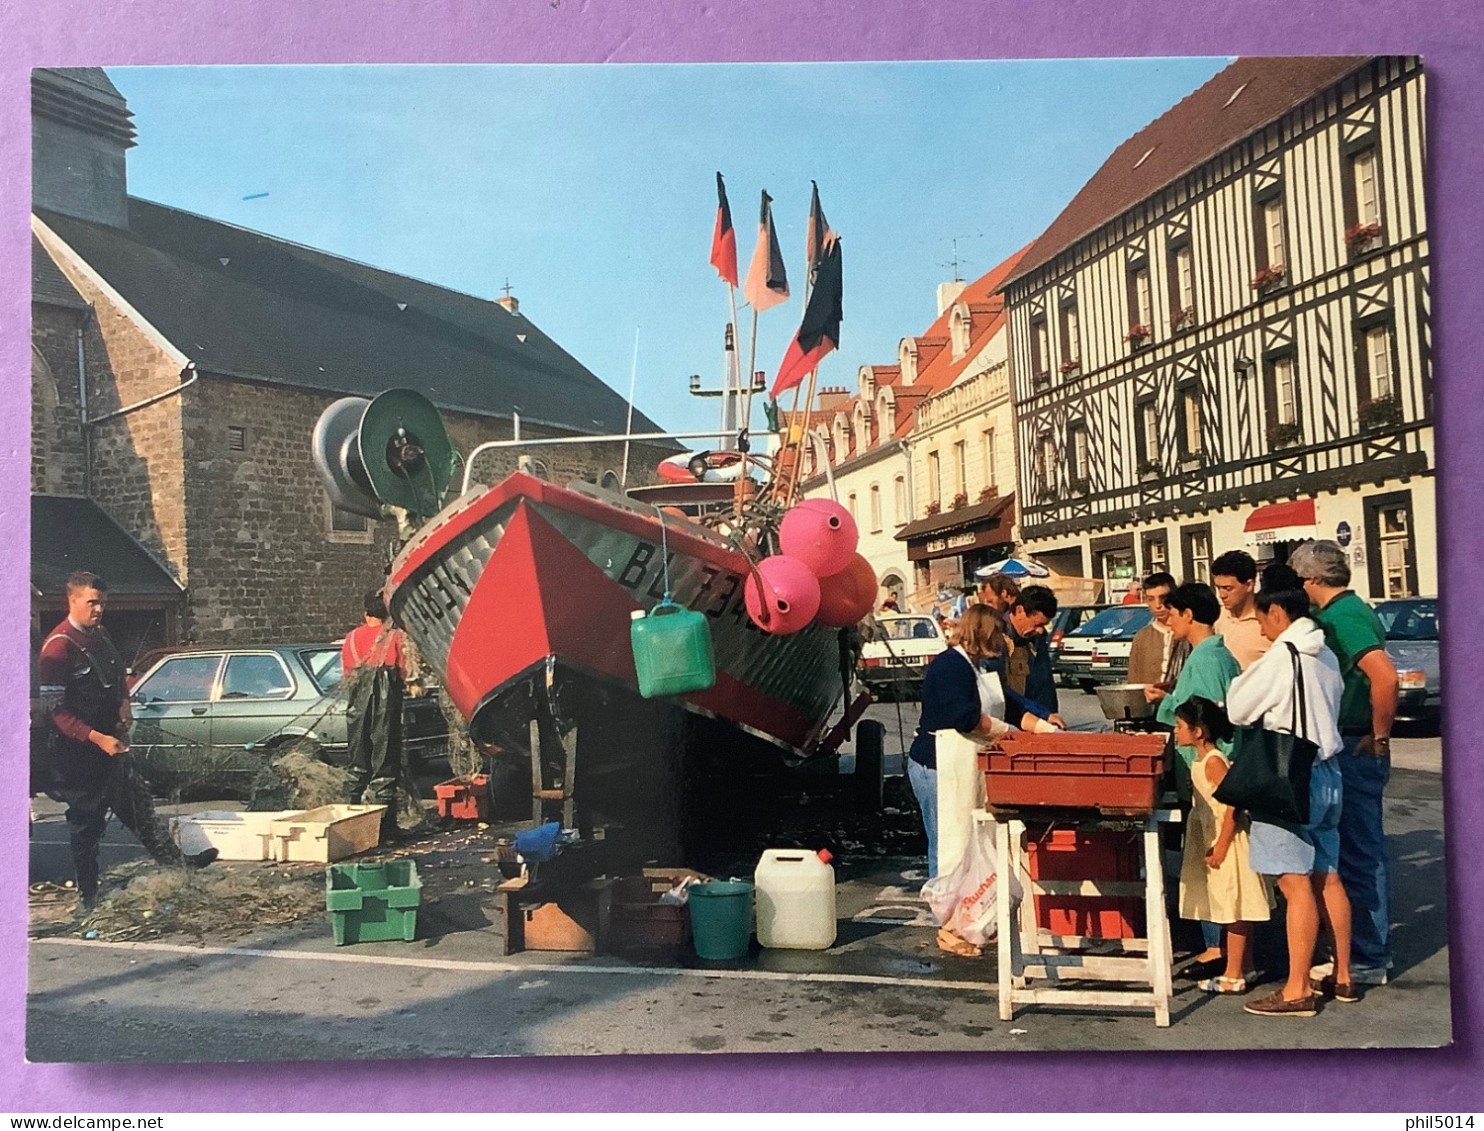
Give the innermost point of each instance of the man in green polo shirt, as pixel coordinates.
(1367, 710)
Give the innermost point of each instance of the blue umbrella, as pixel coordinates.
(1013, 567)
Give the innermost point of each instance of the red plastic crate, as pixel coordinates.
(1078, 854)
(1113, 772)
(465, 799)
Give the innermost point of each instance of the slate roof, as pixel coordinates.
(48, 284)
(244, 304)
(69, 534)
(1246, 96)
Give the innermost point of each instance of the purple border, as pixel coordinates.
(70, 32)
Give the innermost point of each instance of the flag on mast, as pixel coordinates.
(818, 234)
(819, 333)
(723, 237)
(767, 282)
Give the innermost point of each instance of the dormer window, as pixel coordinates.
(960, 325)
(907, 360)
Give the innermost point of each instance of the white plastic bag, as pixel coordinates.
(963, 901)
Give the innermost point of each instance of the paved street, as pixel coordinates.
(287, 992)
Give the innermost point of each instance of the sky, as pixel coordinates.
(591, 191)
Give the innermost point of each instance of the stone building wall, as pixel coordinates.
(57, 462)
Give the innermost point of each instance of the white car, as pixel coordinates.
(892, 662)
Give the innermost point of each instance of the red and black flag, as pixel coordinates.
(767, 282)
(818, 235)
(820, 331)
(723, 238)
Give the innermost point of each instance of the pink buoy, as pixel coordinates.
(847, 596)
(790, 595)
(821, 534)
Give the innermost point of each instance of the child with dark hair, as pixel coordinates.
(1217, 883)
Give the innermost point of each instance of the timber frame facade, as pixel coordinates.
(1254, 330)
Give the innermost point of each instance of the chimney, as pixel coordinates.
(832, 397)
(510, 303)
(948, 293)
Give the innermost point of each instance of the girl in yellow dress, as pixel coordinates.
(1217, 883)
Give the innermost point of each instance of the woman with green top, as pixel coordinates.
(1208, 672)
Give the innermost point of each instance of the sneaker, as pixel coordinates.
(202, 858)
(1370, 975)
(1222, 985)
(1274, 1006)
(1340, 991)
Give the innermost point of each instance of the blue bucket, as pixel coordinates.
(721, 919)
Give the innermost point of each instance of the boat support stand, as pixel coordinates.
(563, 790)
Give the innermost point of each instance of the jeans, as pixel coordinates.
(925, 789)
(1365, 866)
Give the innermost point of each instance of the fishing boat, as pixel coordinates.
(520, 596)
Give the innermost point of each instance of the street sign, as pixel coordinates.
(1343, 534)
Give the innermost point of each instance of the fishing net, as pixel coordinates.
(463, 756)
(299, 779)
(142, 900)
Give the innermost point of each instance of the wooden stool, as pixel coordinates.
(1032, 952)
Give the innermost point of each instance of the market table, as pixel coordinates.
(1032, 952)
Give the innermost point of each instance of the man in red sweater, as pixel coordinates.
(375, 666)
(82, 695)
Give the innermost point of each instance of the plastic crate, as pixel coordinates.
(1113, 772)
(373, 902)
(331, 832)
(235, 836)
(464, 799)
(1078, 854)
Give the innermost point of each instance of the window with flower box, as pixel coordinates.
(1182, 285)
(1190, 421)
(1271, 224)
(1377, 393)
(1146, 435)
(1078, 458)
(1040, 349)
(1140, 304)
(1281, 390)
(1071, 346)
(1362, 198)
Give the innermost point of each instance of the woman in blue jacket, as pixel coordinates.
(963, 690)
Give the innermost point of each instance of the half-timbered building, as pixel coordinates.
(1222, 341)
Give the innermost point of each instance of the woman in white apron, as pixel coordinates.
(963, 707)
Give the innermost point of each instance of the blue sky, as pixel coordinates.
(592, 189)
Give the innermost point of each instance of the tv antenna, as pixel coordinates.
(955, 263)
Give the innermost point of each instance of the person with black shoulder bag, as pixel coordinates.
(1284, 774)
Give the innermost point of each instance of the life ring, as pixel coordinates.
(702, 467)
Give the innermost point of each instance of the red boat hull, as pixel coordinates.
(528, 583)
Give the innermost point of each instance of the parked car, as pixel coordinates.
(893, 661)
(1110, 654)
(1411, 626)
(1069, 618)
(207, 720)
(1107, 633)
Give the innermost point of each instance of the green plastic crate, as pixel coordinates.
(373, 902)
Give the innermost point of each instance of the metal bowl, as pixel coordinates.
(1125, 701)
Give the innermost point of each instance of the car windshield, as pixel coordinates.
(324, 666)
(1409, 620)
(1121, 620)
(909, 628)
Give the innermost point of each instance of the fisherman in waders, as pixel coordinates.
(82, 697)
(374, 659)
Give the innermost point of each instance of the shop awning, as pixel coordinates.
(1281, 522)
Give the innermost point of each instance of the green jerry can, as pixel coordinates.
(672, 650)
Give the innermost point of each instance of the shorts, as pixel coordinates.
(1284, 849)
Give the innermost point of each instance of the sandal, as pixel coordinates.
(953, 944)
(1223, 985)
